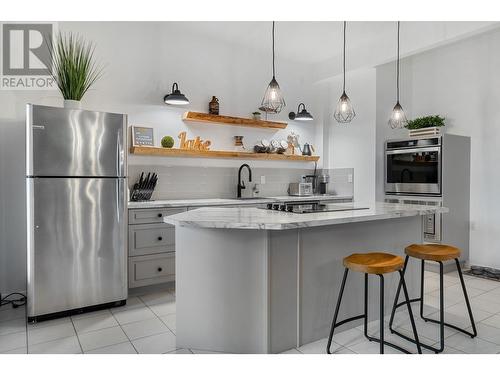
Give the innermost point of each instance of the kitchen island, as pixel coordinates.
(252, 280)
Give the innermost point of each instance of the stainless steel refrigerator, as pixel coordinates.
(76, 210)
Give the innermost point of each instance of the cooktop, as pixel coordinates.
(312, 207)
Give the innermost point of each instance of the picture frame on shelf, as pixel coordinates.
(142, 136)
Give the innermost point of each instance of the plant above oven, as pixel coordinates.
(425, 122)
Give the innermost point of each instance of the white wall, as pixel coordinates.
(351, 145)
(460, 82)
(142, 60)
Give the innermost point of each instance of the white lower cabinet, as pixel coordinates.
(151, 247)
(146, 270)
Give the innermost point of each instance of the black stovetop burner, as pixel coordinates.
(312, 207)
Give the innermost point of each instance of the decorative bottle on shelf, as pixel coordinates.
(213, 106)
(238, 144)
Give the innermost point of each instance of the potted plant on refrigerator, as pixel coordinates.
(73, 67)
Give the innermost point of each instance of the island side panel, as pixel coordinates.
(320, 262)
(283, 287)
(222, 289)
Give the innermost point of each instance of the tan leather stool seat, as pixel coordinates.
(374, 263)
(435, 252)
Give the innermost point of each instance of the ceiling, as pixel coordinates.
(368, 43)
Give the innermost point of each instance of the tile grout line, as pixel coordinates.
(76, 334)
(128, 338)
(159, 317)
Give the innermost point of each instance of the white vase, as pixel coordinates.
(72, 104)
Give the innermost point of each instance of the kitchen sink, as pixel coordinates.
(251, 198)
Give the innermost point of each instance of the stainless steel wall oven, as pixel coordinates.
(413, 166)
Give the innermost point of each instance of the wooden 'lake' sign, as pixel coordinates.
(196, 144)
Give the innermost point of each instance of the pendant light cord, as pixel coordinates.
(343, 89)
(397, 74)
(273, 52)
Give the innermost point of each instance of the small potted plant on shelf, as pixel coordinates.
(426, 125)
(73, 67)
(256, 115)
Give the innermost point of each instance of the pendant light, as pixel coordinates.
(175, 97)
(273, 101)
(301, 115)
(398, 118)
(344, 113)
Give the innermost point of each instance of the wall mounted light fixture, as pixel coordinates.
(175, 97)
(398, 118)
(301, 115)
(273, 101)
(344, 112)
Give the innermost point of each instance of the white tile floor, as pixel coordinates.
(147, 325)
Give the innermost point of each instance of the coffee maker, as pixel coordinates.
(323, 181)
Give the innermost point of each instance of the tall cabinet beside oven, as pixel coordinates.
(433, 171)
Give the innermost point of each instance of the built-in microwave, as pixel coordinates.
(413, 166)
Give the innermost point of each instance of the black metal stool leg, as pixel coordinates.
(466, 299)
(381, 303)
(334, 321)
(379, 340)
(410, 312)
(396, 299)
(441, 321)
(422, 274)
(365, 328)
(441, 305)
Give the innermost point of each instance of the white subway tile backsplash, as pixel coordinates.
(186, 182)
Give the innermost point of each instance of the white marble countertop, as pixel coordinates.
(255, 218)
(228, 202)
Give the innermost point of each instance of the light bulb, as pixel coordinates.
(344, 113)
(273, 101)
(398, 117)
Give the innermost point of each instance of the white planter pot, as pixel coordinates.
(72, 104)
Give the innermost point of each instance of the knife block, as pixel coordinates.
(143, 189)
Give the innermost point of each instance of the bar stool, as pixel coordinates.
(437, 253)
(375, 263)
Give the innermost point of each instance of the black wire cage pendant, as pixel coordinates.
(398, 118)
(344, 112)
(273, 101)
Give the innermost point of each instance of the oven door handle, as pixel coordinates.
(412, 150)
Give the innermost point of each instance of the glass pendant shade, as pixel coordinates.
(344, 113)
(273, 101)
(398, 118)
(176, 97)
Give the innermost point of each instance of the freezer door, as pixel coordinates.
(68, 142)
(76, 243)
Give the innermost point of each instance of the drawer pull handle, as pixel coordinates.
(160, 215)
(160, 238)
(160, 269)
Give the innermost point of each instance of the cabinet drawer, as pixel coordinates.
(151, 269)
(151, 215)
(147, 239)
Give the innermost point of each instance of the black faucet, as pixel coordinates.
(241, 184)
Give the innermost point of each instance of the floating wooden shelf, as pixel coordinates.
(176, 152)
(235, 121)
